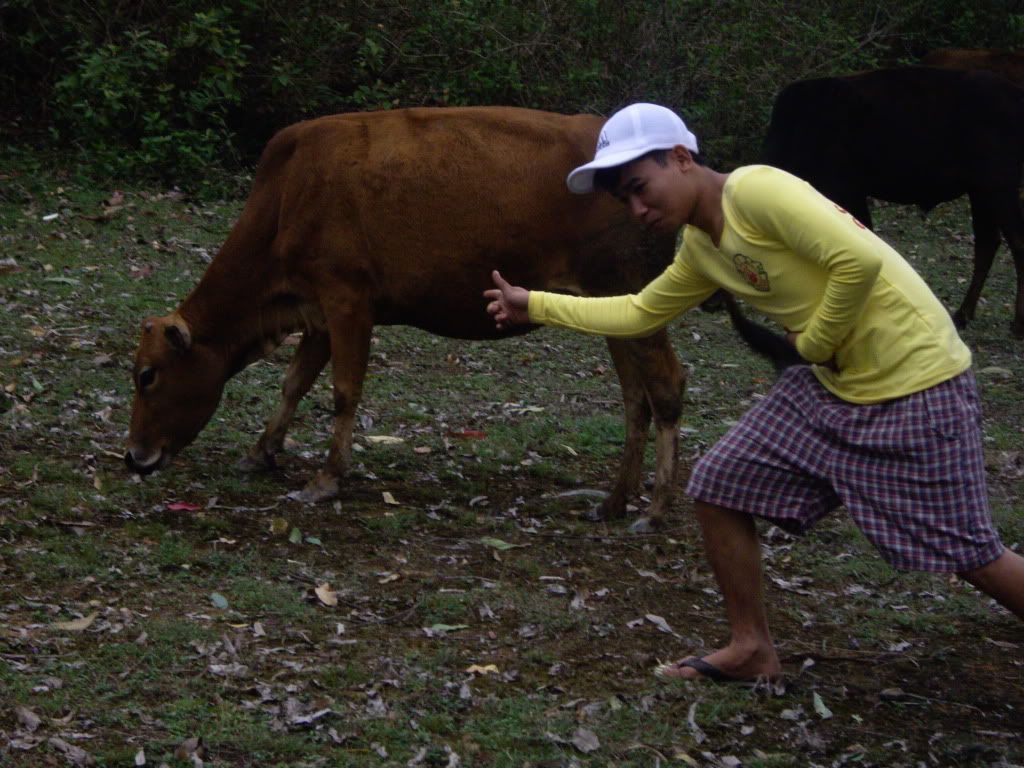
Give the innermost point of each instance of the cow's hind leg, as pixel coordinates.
(652, 384)
(1011, 222)
(986, 242)
(350, 325)
(310, 357)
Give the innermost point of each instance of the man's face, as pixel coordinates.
(661, 197)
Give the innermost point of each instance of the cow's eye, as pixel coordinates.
(146, 378)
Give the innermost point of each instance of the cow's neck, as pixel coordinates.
(244, 315)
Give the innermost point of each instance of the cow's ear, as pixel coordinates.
(178, 334)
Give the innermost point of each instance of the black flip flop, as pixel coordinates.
(704, 668)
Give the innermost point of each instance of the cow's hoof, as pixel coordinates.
(644, 525)
(257, 462)
(593, 515)
(609, 509)
(320, 488)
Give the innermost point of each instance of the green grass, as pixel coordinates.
(141, 675)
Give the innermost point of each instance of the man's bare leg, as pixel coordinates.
(733, 549)
(1002, 579)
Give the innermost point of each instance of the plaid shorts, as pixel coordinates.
(910, 471)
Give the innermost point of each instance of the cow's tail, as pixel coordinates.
(763, 341)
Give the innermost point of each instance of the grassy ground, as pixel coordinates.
(476, 621)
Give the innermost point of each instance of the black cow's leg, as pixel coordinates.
(310, 357)
(1018, 262)
(986, 241)
(1011, 222)
(350, 326)
(652, 383)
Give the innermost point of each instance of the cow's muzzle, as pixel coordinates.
(144, 467)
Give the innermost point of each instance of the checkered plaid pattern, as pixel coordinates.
(910, 471)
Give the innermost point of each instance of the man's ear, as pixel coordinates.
(682, 155)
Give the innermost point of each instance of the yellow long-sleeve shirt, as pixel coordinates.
(810, 266)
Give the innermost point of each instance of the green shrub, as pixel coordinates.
(143, 106)
(182, 89)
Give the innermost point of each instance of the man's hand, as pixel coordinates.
(507, 303)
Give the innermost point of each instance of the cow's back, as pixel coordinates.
(1008, 64)
(911, 135)
(417, 206)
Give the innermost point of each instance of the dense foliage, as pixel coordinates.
(175, 88)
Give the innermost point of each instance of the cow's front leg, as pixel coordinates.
(350, 326)
(1012, 225)
(637, 411)
(1018, 311)
(664, 380)
(652, 383)
(310, 357)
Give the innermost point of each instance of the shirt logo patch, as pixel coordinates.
(752, 271)
(855, 219)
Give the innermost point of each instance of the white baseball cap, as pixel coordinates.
(629, 133)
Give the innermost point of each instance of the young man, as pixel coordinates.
(885, 419)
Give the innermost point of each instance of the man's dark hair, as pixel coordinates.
(608, 178)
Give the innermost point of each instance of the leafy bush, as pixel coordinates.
(180, 88)
(166, 102)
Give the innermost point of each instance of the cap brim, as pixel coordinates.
(581, 180)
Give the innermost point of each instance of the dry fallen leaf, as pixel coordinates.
(327, 596)
(1006, 646)
(696, 731)
(29, 720)
(585, 740)
(660, 623)
(498, 544)
(388, 498)
(440, 630)
(189, 747)
(183, 506)
(678, 754)
(384, 439)
(76, 755)
(77, 625)
(819, 706)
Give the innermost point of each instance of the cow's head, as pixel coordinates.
(178, 384)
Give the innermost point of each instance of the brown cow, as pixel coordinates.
(398, 218)
(1009, 64)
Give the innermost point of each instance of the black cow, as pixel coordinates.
(915, 135)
